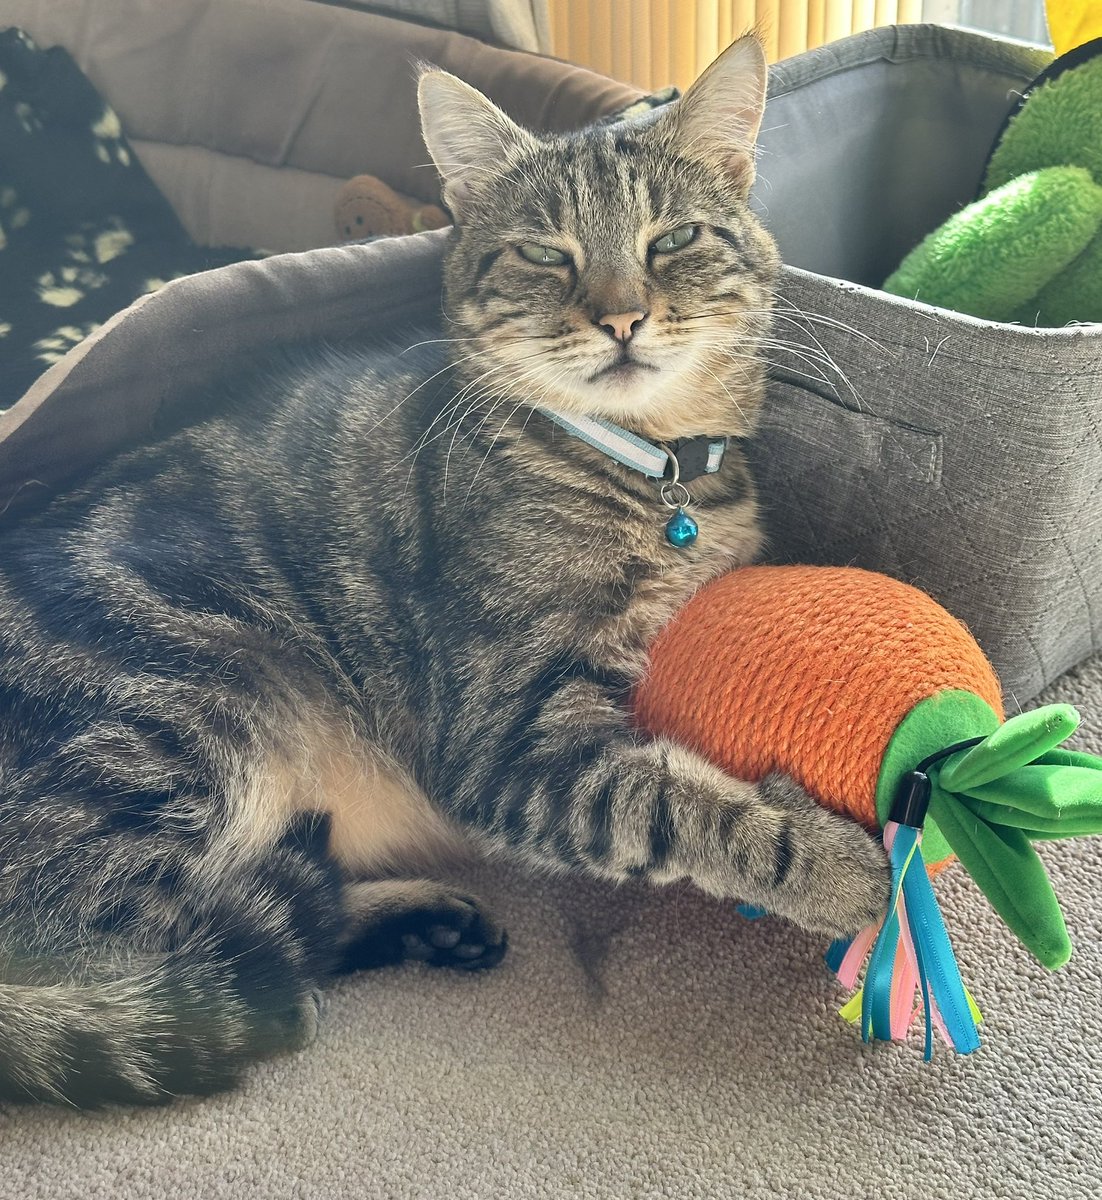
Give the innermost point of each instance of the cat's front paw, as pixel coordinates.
(838, 879)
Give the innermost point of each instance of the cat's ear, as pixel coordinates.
(719, 116)
(467, 135)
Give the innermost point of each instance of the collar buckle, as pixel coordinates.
(689, 458)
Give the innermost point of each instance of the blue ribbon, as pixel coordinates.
(835, 953)
(933, 955)
(876, 999)
(937, 965)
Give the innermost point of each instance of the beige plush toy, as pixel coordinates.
(367, 207)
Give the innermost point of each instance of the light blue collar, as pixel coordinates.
(633, 451)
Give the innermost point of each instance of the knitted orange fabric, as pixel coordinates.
(807, 670)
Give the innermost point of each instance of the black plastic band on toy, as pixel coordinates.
(912, 796)
(955, 748)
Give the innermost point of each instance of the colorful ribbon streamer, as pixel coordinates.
(910, 953)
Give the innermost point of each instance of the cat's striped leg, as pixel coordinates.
(558, 776)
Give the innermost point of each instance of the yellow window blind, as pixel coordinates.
(655, 42)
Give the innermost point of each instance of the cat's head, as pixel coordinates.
(616, 271)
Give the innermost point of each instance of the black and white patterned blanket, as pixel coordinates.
(83, 229)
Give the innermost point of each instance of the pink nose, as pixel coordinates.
(621, 325)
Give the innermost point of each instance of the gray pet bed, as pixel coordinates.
(958, 454)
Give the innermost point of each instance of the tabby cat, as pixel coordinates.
(259, 680)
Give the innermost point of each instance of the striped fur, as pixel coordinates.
(260, 679)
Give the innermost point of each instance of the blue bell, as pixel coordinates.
(681, 529)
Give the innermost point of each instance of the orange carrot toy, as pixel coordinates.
(884, 707)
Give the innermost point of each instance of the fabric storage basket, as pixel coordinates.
(961, 455)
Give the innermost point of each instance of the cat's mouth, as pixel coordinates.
(624, 368)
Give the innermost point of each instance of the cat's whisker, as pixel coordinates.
(488, 339)
(786, 306)
(808, 354)
(798, 349)
(452, 405)
(760, 358)
(471, 395)
(735, 358)
(505, 384)
(795, 316)
(826, 358)
(738, 407)
(499, 403)
(786, 369)
(466, 167)
(440, 341)
(471, 435)
(802, 352)
(448, 411)
(805, 321)
(745, 365)
(513, 364)
(471, 390)
(493, 442)
(448, 366)
(498, 392)
(420, 444)
(474, 382)
(546, 387)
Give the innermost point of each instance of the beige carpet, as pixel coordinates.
(639, 1044)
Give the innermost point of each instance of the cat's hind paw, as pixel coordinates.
(392, 920)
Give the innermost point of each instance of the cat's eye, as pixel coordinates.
(676, 239)
(542, 256)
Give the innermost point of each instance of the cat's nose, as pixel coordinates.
(621, 326)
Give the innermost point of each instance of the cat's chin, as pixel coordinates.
(657, 400)
(625, 395)
(649, 401)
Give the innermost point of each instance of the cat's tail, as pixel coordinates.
(180, 1013)
(143, 1029)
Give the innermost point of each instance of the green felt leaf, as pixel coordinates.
(1017, 742)
(1030, 824)
(1053, 794)
(1008, 872)
(940, 720)
(1069, 758)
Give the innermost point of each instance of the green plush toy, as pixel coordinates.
(1030, 248)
